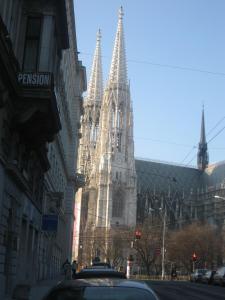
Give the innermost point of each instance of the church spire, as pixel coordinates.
(118, 70)
(95, 87)
(203, 158)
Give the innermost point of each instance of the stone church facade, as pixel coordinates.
(122, 191)
(106, 154)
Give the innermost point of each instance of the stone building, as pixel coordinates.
(186, 193)
(122, 191)
(41, 86)
(106, 153)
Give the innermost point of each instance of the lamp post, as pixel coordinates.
(219, 197)
(163, 244)
(163, 239)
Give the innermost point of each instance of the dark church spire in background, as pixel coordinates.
(203, 158)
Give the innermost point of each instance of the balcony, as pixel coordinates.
(37, 116)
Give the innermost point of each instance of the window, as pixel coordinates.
(113, 115)
(32, 42)
(118, 202)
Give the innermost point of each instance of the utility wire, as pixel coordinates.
(208, 143)
(183, 68)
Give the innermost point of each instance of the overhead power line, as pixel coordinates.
(222, 129)
(176, 67)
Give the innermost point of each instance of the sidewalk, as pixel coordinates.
(41, 288)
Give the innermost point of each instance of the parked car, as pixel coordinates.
(219, 276)
(101, 265)
(99, 273)
(99, 288)
(208, 277)
(196, 276)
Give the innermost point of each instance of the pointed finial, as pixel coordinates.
(99, 35)
(121, 13)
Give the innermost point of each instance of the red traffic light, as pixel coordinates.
(158, 251)
(194, 257)
(138, 234)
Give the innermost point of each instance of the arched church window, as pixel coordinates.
(95, 133)
(113, 140)
(118, 202)
(97, 119)
(113, 114)
(120, 116)
(118, 141)
(90, 121)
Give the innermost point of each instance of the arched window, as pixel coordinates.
(118, 202)
(113, 115)
(118, 141)
(119, 119)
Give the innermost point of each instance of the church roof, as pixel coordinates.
(161, 176)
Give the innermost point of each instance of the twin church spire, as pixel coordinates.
(112, 186)
(118, 70)
(95, 87)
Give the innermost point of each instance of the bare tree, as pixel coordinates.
(204, 240)
(150, 240)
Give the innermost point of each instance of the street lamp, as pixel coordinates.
(163, 239)
(219, 197)
(163, 244)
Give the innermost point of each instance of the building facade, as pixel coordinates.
(41, 86)
(121, 191)
(186, 193)
(106, 153)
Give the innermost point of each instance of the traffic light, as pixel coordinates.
(194, 257)
(137, 234)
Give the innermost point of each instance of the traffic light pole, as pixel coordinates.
(163, 245)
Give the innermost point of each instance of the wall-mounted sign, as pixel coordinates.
(35, 79)
(50, 223)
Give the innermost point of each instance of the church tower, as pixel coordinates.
(91, 116)
(116, 180)
(87, 147)
(203, 158)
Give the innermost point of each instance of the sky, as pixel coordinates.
(176, 64)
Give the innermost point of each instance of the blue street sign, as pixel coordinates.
(50, 223)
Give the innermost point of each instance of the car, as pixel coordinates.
(208, 277)
(101, 288)
(101, 265)
(219, 276)
(99, 273)
(196, 276)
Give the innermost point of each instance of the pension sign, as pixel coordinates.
(35, 79)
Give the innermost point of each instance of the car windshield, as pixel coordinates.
(103, 293)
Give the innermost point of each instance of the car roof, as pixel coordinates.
(96, 273)
(101, 264)
(98, 267)
(100, 282)
(104, 282)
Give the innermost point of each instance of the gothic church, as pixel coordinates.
(121, 191)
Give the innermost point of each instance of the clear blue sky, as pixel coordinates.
(167, 100)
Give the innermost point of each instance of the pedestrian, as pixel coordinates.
(173, 274)
(67, 269)
(74, 268)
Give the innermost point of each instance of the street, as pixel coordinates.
(183, 290)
